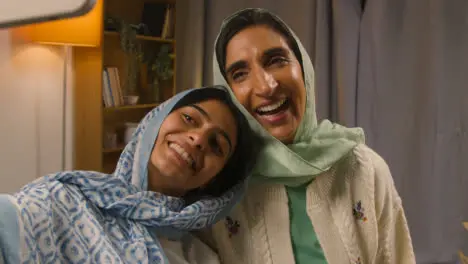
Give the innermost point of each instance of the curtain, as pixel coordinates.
(397, 68)
(412, 101)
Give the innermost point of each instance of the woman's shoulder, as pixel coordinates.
(371, 170)
(370, 159)
(363, 163)
(363, 173)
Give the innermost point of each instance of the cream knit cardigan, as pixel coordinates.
(257, 231)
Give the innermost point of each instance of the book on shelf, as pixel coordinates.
(112, 90)
(169, 23)
(159, 19)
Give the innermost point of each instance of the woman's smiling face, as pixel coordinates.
(266, 78)
(193, 145)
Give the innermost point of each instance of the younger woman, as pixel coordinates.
(183, 170)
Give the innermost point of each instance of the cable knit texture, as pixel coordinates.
(354, 208)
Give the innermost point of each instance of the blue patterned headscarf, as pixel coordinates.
(91, 217)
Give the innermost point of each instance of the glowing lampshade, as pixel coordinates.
(85, 30)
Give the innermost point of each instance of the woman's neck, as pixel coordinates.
(156, 184)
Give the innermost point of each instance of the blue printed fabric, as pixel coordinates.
(91, 217)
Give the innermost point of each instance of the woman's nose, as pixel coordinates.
(264, 84)
(199, 138)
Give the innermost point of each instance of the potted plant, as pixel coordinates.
(132, 48)
(160, 69)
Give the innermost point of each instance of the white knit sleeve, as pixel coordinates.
(395, 245)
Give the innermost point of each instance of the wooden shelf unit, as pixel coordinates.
(113, 150)
(92, 120)
(141, 37)
(130, 107)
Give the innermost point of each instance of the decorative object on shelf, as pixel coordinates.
(131, 99)
(129, 130)
(110, 140)
(160, 68)
(132, 48)
(111, 24)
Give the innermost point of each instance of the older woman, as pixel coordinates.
(321, 195)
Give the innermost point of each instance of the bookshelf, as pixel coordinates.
(141, 37)
(129, 107)
(103, 114)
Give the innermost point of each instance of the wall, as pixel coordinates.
(32, 119)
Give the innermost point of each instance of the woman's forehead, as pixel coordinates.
(217, 111)
(253, 40)
(218, 114)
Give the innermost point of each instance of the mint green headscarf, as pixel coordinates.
(316, 147)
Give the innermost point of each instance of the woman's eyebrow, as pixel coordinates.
(221, 131)
(275, 51)
(201, 110)
(235, 66)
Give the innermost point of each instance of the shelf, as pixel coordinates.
(142, 37)
(97, 125)
(113, 150)
(129, 107)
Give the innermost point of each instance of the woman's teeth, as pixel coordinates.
(271, 108)
(182, 153)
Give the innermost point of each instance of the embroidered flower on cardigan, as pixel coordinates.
(358, 212)
(232, 226)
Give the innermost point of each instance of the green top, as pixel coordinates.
(306, 246)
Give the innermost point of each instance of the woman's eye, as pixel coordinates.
(277, 61)
(239, 76)
(188, 118)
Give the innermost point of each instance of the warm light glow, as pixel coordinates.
(81, 31)
(36, 56)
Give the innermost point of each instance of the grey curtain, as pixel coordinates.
(397, 68)
(412, 101)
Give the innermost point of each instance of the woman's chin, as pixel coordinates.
(285, 134)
